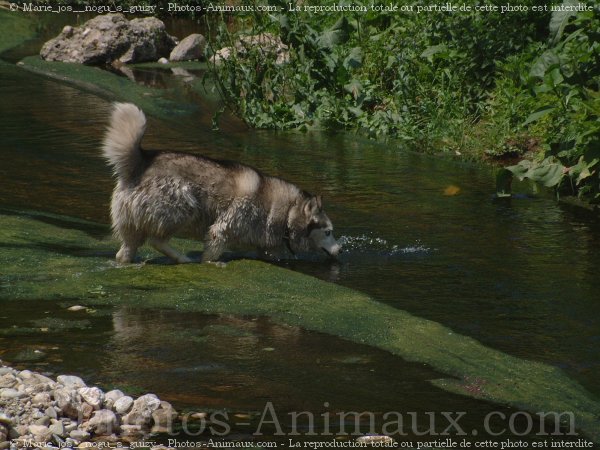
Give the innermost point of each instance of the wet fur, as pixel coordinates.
(159, 194)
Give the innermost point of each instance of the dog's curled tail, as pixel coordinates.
(121, 145)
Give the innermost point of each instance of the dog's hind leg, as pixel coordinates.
(126, 253)
(163, 246)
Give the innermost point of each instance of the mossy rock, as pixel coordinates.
(55, 258)
(166, 102)
(110, 86)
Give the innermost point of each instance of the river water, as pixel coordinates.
(420, 233)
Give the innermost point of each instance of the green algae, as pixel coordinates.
(56, 258)
(15, 28)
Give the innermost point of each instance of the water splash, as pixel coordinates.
(372, 244)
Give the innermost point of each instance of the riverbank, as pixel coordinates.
(43, 412)
(501, 125)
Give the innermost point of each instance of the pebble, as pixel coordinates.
(376, 440)
(5, 419)
(79, 435)
(9, 393)
(41, 399)
(76, 308)
(58, 429)
(51, 412)
(40, 431)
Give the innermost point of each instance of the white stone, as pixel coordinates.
(103, 423)
(111, 397)
(123, 405)
(92, 396)
(141, 412)
(71, 381)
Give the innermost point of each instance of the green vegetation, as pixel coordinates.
(560, 91)
(14, 30)
(483, 85)
(55, 258)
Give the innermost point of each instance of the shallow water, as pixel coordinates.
(518, 276)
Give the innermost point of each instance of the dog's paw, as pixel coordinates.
(184, 260)
(219, 264)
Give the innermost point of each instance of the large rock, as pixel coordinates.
(92, 396)
(141, 412)
(68, 401)
(110, 37)
(71, 381)
(190, 48)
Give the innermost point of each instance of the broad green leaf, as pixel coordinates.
(338, 34)
(560, 19)
(429, 52)
(539, 113)
(549, 59)
(557, 78)
(354, 59)
(519, 170)
(549, 175)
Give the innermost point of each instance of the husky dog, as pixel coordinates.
(159, 194)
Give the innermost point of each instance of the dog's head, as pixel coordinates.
(311, 229)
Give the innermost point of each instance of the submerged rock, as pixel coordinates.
(110, 37)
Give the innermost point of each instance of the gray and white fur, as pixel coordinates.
(159, 194)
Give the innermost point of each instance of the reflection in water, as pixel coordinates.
(519, 276)
(215, 362)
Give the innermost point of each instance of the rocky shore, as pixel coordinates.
(38, 411)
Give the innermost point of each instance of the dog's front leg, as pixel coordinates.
(214, 246)
(214, 243)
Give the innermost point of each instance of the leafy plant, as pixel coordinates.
(564, 84)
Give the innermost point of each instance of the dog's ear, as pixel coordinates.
(311, 207)
(320, 203)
